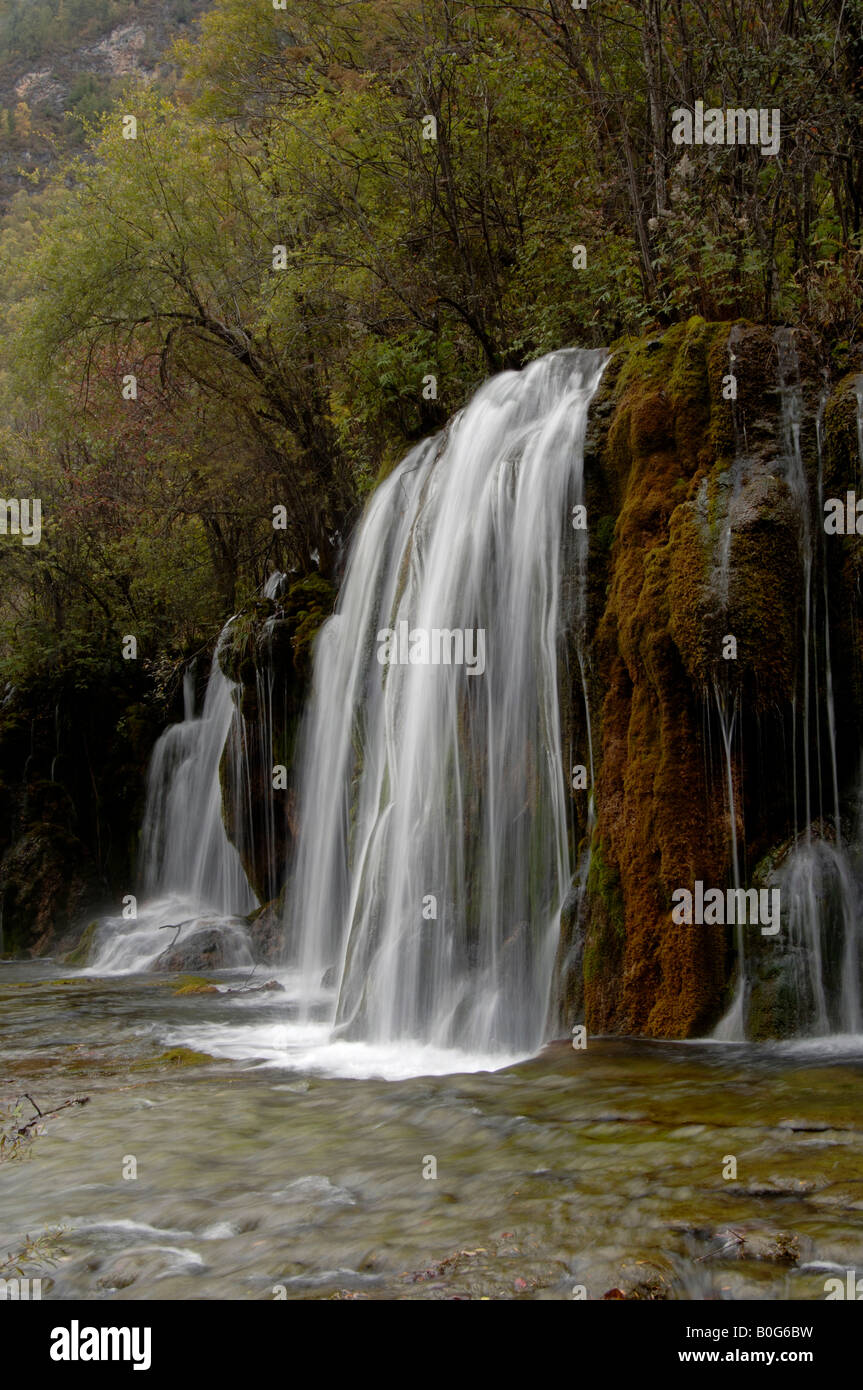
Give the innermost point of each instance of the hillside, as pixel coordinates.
(64, 60)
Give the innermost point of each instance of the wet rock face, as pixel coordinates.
(210, 948)
(46, 882)
(734, 568)
(74, 748)
(269, 654)
(266, 930)
(703, 508)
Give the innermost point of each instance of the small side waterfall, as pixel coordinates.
(733, 1025)
(817, 956)
(184, 849)
(190, 874)
(822, 948)
(821, 891)
(433, 857)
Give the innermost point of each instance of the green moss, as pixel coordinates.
(603, 882)
(193, 984)
(603, 533)
(80, 954)
(592, 964)
(655, 645)
(174, 1057)
(840, 418)
(689, 565)
(313, 589)
(310, 602)
(649, 361)
(765, 580)
(76, 981)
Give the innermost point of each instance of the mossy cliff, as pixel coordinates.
(267, 651)
(696, 537)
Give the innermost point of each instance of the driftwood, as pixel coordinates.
(253, 989)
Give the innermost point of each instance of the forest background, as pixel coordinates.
(242, 309)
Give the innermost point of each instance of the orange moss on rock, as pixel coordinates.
(708, 534)
(658, 826)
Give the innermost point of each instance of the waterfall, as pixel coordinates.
(825, 595)
(190, 874)
(732, 1027)
(819, 886)
(184, 849)
(433, 858)
(818, 970)
(423, 898)
(823, 914)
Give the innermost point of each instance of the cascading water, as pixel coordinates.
(732, 1026)
(820, 888)
(190, 874)
(433, 859)
(426, 887)
(184, 848)
(825, 597)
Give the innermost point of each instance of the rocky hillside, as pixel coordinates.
(62, 61)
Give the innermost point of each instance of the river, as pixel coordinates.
(268, 1165)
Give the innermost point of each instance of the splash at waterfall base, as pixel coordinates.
(605, 649)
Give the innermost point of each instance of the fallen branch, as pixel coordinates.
(253, 989)
(739, 1239)
(177, 927)
(46, 1114)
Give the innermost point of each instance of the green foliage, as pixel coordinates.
(39, 32)
(15, 1139)
(405, 258)
(39, 1251)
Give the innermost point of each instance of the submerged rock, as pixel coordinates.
(80, 954)
(194, 984)
(266, 930)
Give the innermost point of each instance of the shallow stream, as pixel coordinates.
(273, 1163)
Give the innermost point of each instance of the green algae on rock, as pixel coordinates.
(173, 1057)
